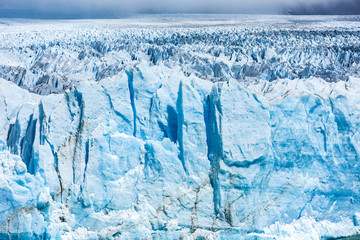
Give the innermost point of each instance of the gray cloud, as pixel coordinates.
(91, 7)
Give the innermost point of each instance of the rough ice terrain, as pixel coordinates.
(180, 127)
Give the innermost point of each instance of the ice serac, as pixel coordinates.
(180, 134)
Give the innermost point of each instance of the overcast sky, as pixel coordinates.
(184, 6)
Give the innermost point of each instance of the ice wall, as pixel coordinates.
(152, 152)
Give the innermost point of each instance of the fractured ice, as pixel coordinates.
(223, 129)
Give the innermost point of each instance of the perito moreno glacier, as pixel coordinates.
(180, 127)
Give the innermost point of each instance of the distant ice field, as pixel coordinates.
(212, 47)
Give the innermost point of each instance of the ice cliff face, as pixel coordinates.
(167, 133)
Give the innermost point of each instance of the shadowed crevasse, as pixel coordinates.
(180, 124)
(42, 123)
(13, 137)
(26, 145)
(78, 135)
(172, 122)
(130, 75)
(212, 115)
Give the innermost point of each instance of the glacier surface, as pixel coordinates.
(180, 128)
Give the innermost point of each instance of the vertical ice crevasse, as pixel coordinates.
(13, 137)
(87, 156)
(130, 75)
(81, 105)
(180, 129)
(212, 117)
(56, 166)
(26, 145)
(42, 123)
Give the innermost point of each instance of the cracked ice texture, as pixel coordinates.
(147, 149)
(47, 58)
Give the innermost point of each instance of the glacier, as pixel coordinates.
(180, 127)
